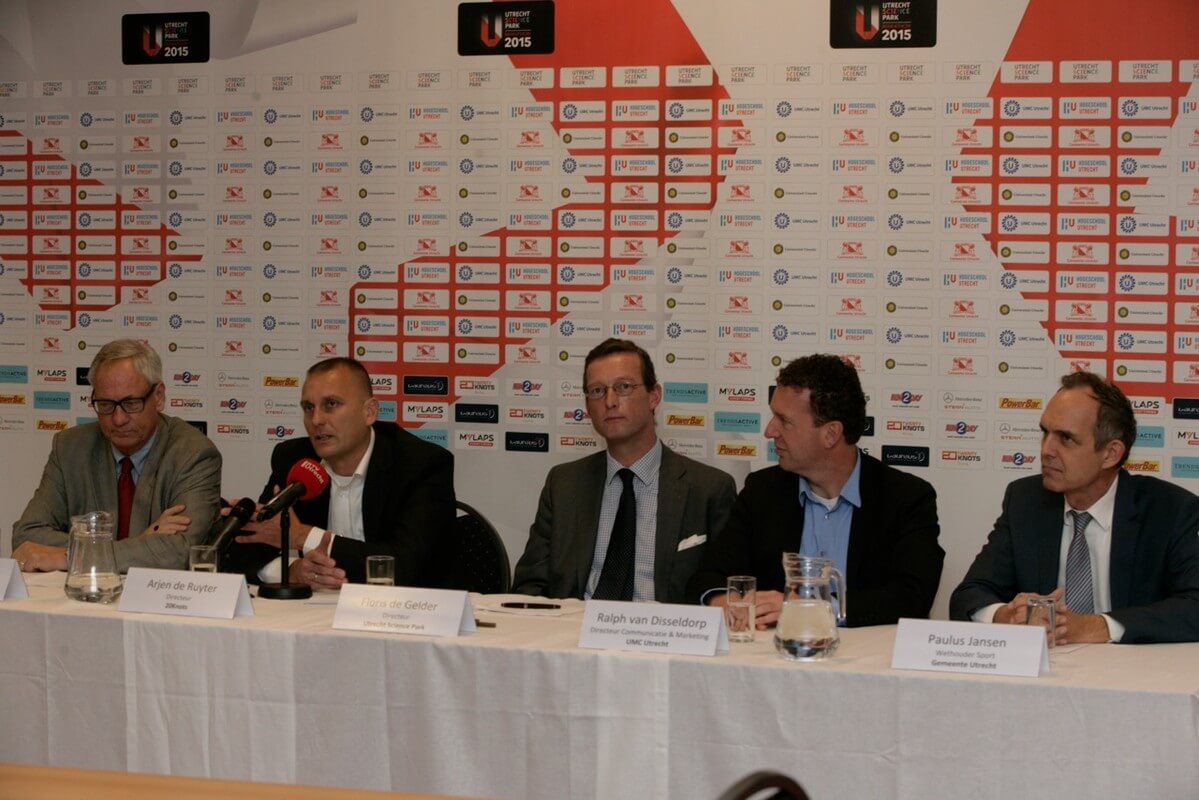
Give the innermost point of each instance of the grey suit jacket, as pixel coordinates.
(183, 466)
(693, 498)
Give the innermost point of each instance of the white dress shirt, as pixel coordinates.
(345, 511)
(1098, 534)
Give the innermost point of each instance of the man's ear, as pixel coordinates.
(1113, 452)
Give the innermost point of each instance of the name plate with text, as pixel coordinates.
(12, 582)
(217, 595)
(653, 628)
(971, 647)
(403, 609)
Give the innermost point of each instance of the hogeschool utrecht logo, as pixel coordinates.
(523, 26)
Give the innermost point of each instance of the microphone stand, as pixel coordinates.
(284, 590)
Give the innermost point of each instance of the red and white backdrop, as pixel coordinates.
(966, 202)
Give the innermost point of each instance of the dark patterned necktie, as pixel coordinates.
(125, 490)
(616, 578)
(1080, 596)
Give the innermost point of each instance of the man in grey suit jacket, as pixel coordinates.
(1120, 550)
(173, 472)
(578, 545)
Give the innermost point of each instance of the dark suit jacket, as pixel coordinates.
(1154, 569)
(407, 509)
(894, 561)
(81, 475)
(693, 498)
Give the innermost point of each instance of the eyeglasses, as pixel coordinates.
(130, 405)
(599, 391)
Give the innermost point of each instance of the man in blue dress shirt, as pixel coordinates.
(829, 498)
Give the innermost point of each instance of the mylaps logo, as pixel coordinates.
(1147, 406)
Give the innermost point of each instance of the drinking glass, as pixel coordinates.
(381, 570)
(740, 607)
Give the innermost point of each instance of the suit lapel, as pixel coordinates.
(1047, 524)
(672, 501)
(105, 466)
(589, 496)
(143, 495)
(375, 488)
(862, 527)
(1126, 528)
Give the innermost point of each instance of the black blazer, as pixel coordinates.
(407, 509)
(1154, 568)
(894, 561)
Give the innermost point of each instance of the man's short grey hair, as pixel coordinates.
(145, 360)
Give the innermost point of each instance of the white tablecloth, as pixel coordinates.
(519, 711)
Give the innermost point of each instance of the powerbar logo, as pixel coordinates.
(737, 450)
(904, 456)
(1021, 403)
(280, 382)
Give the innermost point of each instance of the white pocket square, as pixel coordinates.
(693, 541)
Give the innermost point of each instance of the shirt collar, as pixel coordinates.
(1101, 511)
(851, 492)
(645, 468)
(359, 471)
(138, 458)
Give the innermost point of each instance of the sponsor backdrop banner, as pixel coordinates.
(964, 200)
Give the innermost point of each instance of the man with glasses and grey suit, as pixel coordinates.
(158, 476)
(629, 523)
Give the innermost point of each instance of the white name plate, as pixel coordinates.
(653, 628)
(402, 609)
(971, 647)
(11, 580)
(218, 595)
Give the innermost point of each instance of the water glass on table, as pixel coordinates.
(381, 570)
(202, 558)
(1042, 610)
(740, 607)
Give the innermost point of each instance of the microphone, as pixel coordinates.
(224, 528)
(305, 480)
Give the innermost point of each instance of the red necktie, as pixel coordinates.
(125, 490)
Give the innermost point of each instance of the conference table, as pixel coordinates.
(520, 711)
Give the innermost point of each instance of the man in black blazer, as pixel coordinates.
(828, 498)
(574, 542)
(1136, 547)
(390, 492)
